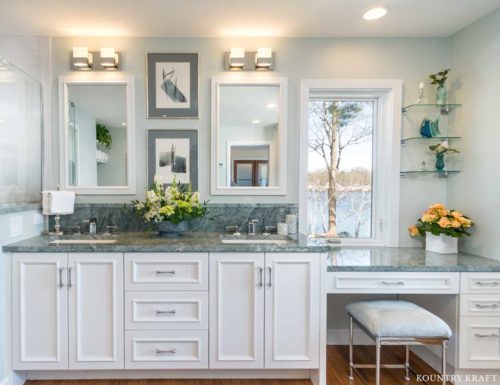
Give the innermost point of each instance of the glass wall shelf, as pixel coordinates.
(417, 139)
(444, 108)
(440, 174)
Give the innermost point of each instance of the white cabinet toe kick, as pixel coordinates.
(168, 315)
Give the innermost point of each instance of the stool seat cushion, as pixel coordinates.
(397, 319)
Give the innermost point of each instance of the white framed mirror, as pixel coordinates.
(97, 135)
(248, 135)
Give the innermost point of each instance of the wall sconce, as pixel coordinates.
(236, 59)
(82, 59)
(239, 60)
(105, 59)
(109, 59)
(264, 59)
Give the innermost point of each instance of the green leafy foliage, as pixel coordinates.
(440, 78)
(103, 136)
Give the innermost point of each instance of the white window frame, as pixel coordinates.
(386, 154)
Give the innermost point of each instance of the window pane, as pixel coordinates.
(340, 167)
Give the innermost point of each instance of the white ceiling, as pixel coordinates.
(242, 106)
(238, 18)
(107, 103)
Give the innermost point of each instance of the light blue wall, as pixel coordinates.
(29, 230)
(409, 59)
(475, 62)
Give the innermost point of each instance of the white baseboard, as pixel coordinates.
(168, 374)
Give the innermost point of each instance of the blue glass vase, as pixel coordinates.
(440, 162)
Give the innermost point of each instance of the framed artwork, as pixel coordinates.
(173, 153)
(172, 85)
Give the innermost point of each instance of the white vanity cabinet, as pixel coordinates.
(264, 310)
(67, 311)
(479, 337)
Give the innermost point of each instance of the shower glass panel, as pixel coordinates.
(20, 136)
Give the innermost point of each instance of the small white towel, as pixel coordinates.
(58, 202)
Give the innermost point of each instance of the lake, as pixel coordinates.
(353, 213)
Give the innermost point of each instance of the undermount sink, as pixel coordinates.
(81, 241)
(254, 239)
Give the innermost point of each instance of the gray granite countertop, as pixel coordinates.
(340, 258)
(188, 242)
(407, 259)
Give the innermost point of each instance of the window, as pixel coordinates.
(340, 166)
(349, 151)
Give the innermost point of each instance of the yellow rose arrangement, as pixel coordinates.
(437, 219)
(176, 203)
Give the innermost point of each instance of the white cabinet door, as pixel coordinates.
(236, 310)
(40, 311)
(95, 287)
(479, 343)
(292, 310)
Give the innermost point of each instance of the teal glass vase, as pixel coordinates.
(441, 95)
(440, 162)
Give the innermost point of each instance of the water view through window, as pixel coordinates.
(340, 167)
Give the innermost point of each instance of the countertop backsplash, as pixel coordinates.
(220, 215)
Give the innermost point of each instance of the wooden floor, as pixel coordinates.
(336, 372)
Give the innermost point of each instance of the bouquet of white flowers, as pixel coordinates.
(175, 204)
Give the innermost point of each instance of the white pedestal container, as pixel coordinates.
(441, 244)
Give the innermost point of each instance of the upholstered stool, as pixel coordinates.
(396, 323)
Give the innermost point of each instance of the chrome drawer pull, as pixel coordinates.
(60, 277)
(171, 351)
(165, 272)
(493, 335)
(171, 312)
(493, 306)
(261, 275)
(494, 283)
(397, 283)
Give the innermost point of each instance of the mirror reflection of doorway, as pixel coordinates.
(250, 165)
(251, 173)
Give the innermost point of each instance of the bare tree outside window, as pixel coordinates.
(340, 167)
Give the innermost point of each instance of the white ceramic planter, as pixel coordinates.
(441, 244)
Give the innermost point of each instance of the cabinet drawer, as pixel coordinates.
(479, 343)
(480, 305)
(166, 349)
(166, 271)
(164, 310)
(480, 283)
(392, 282)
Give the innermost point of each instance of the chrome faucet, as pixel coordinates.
(252, 225)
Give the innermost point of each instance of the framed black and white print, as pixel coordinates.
(172, 85)
(173, 153)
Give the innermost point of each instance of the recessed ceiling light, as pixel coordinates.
(271, 105)
(124, 124)
(255, 121)
(375, 13)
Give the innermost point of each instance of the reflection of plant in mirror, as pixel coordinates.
(103, 136)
